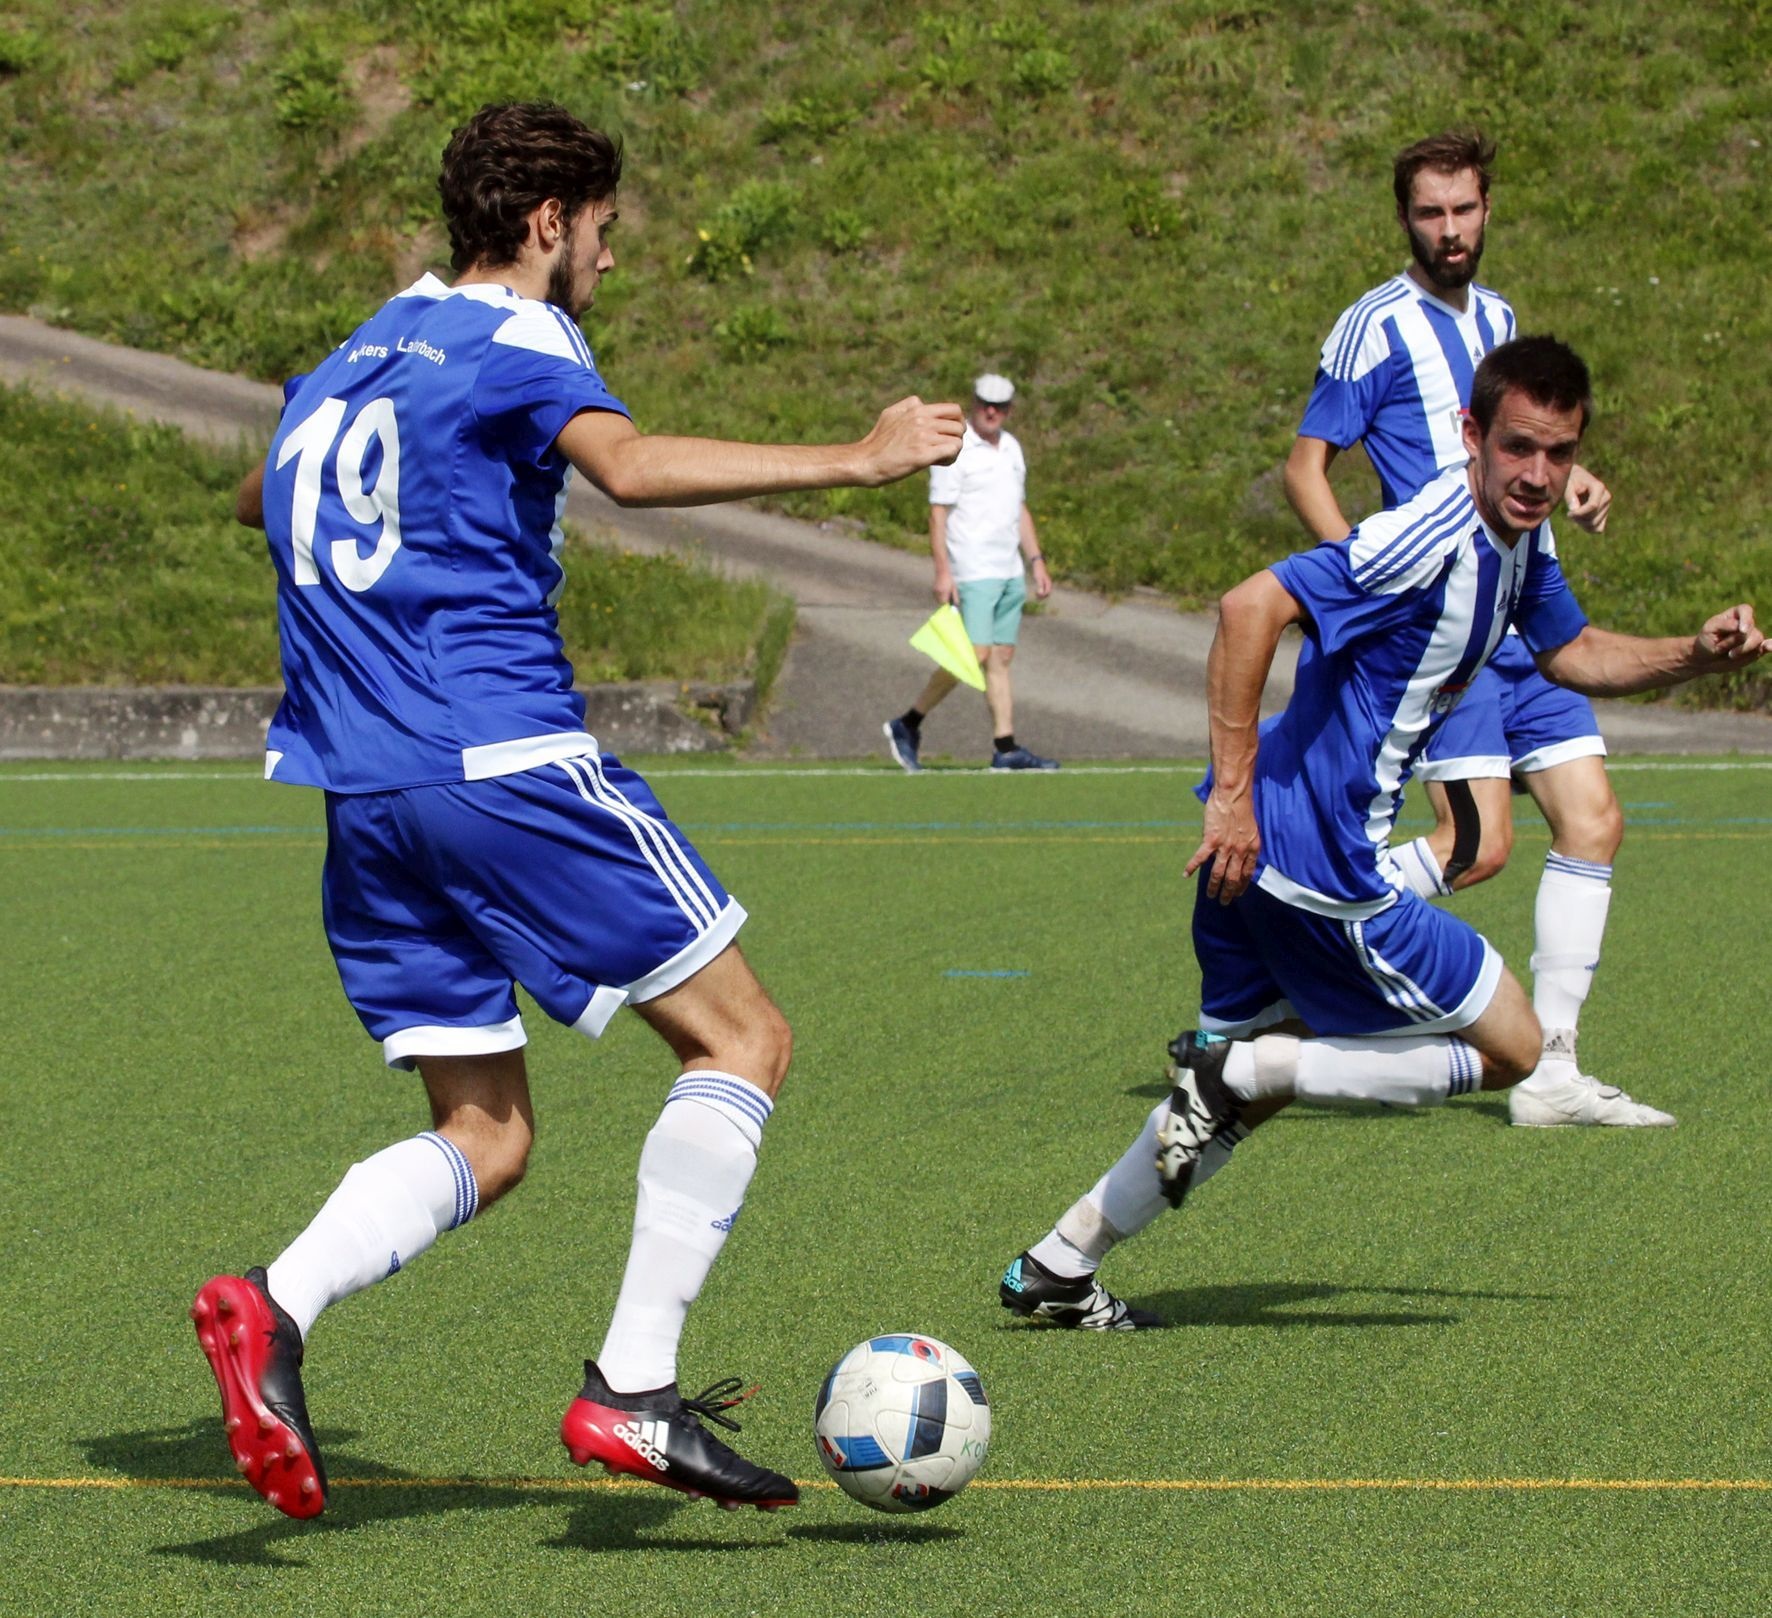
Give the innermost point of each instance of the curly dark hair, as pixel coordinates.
(1450, 152)
(1548, 372)
(509, 159)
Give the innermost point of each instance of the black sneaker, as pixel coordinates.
(1031, 1290)
(1019, 758)
(902, 743)
(658, 1436)
(1200, 1106)
(255, 1350)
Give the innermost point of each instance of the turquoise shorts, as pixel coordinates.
(991, 609)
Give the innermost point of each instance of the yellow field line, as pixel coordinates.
(1003, 1485)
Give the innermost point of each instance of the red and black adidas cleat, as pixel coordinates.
(658, 1436)
(255, 1350)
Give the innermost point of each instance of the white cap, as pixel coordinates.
(993, 389)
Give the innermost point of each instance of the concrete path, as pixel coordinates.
(1095, 677)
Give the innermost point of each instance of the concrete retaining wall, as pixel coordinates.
(209, 722)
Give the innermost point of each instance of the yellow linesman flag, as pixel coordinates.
(945, 639)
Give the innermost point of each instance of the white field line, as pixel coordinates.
(764, 773)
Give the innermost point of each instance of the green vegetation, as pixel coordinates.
(1431, 1297)
(122, 562)
(1147, 213)
(135, 573)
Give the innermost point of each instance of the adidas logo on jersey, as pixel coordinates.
(729, 1221)
(646, 1439)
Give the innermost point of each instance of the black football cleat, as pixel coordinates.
(1032, 1291)
(255, 1350)
(659, 1437)
(1200, 1106)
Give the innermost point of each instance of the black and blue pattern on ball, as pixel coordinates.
(973, 1384)
(928, 1419)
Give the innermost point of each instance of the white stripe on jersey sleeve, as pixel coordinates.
(1403, 548)
(532, 326)
(1357, 342)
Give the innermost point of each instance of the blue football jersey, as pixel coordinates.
(1396, 373)
(412, 504)
(1400, 616)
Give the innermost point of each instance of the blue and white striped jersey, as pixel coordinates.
(412, 504)
(1396, 373)
(1400, 616)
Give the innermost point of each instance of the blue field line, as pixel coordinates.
(1688, 820)
(985, 972)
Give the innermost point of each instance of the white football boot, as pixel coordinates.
(1559, 1095)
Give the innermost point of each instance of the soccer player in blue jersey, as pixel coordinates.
(1395, 376)
(1324, 976)
(476, 835)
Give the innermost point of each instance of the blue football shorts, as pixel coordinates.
(568, 879)
(1511, 721)
(991, 609)
(1411, 969)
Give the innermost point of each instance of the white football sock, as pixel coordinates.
(1570, 920)
(1123, 1201)
(694, 1169)
(386, 1211)
(1417, 1070)
(1261, 1068)
(1421, 871)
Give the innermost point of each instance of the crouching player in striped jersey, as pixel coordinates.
(476, 836)
(1323, 974)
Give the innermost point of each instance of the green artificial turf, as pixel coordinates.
(981, 974)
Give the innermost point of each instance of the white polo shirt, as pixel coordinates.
(986, 487)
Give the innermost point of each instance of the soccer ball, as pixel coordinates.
(902, 1423)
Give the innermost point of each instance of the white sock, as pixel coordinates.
(1261, 1068)
(694, 1169)
(1417, 1070)
(1421, 871)
(386, 1211)
(1123, 1201)
(1570, 921)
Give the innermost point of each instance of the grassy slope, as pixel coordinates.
(1357, 1296)
(136, 572)
(1149, 214)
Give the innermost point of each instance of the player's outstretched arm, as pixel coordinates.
(641, 469)
(1307, 488)
(1251, 619)
(1602, 663)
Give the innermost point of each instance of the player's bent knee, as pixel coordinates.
(757, 1045)
(1504, 1068)
(1507, 1035)
(497, 1151)
(1510, 1050)
(1596, 834)
(1491, 860)
(770, 1042)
